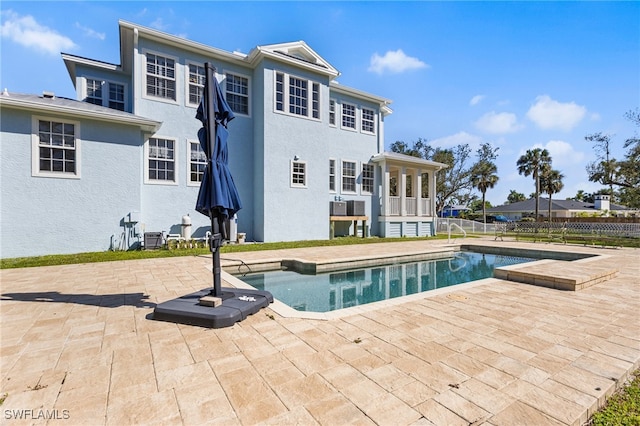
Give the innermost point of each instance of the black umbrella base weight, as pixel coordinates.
(237, 305)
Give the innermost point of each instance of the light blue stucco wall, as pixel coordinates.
(42, 215)
(161, 201)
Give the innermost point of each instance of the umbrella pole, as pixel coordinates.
(216, 235)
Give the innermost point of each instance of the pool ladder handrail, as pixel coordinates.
(449, 225)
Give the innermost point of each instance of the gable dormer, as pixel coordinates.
(297, 53)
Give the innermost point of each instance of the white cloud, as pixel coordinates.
(498, 123)
(457, 139)
(90, 32)
(547, 113)
(25, 31)
(563, 155)
(394, 62)
(476, 100)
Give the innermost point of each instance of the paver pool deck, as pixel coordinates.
(78, 347)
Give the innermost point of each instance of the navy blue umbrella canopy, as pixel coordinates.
(218, 196)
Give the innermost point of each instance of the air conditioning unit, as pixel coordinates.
(337, 208)
(152, 240)
(355, 208)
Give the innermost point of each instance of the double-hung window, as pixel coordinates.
(116, 96)
(332, 175)
(237, 92)
(332, 112)
(368, 120)
(297, 96)
(94, 91)
(161, 76)
(161, 157)
(348, 176)
(196, 84)
(299, 174)
(55, 152)
(197, 162)
(349, 116)
(367, 178)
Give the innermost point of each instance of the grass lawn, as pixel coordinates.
(623, 408)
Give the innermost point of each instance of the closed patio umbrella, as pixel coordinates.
(218, 197)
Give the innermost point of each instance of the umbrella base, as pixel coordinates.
(187, 310)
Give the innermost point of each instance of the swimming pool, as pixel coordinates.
(331, 291)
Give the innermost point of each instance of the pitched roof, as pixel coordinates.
(51, 104)
(530, 206)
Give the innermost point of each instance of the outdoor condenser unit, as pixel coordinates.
(355, 208)
(337, 208)
(152, 240)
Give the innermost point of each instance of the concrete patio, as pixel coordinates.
(77, 347)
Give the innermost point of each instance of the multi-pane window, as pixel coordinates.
(161, 76)
(197, 162)
(297, 96)
(349, 116)
(196, 83)
(116, 96)
(57, 147)
(367, 178)
(94, 91)
(279, 91)
(315, 100)
(298, 173)
(348, 176)
(368, 123)
(238, 93)
(332, 175)
(332, 112)
(161, 159)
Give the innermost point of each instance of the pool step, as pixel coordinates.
(558, 274)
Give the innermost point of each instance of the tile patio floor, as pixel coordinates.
(76, 344)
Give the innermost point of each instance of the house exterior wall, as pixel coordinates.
(42, 215)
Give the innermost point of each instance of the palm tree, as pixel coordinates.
(515, 196)
(551, 183)
(532, 163)
(483, 177)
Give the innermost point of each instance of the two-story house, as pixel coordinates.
(124, 159)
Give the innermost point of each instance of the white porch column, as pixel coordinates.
(403, 191)
(418, 192)
(386, 177)
(432, 192)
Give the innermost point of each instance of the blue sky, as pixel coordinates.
(517, 74)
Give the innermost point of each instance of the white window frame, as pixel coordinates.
(343, 115)
(333, 112)
(363, 121)
(191, 182)
(248, 95)
(343, 177)
(145, 74)
(149, 181)
(334, 175)
(293, 172)
(372, 179)
(105, 88)
(35, 149)
(99, 82)
(188, 83)
(313, 87)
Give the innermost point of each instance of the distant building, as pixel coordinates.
(454, 211)
(562, 208)
(123, 158)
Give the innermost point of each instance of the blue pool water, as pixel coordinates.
(337, 290)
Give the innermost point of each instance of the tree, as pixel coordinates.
(624, 174)
(551, 183)
(484, 173)
(604, 169)
(531, 163)
(515, 197)
(582, 196)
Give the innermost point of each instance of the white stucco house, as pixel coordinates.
(123, 159)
